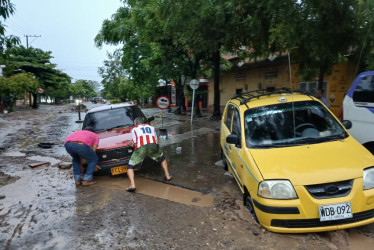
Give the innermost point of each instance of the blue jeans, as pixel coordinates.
(86, 152)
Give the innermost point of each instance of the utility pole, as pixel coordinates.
(27, 39)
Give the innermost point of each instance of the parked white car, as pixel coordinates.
(358, 107)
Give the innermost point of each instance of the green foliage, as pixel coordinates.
(83, 88)
(329, 30)
(114, 101)
(16, 85)
(112, 72)
(165, 39)
(365, 48)
(6, 10)
(162, 40)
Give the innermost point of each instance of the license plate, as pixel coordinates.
(335, 211)
(119, 170)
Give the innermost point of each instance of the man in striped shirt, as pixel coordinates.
(145, 142)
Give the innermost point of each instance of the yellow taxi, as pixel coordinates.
(297, 166)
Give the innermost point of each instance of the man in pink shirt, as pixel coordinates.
(144, 140)
(83, 144)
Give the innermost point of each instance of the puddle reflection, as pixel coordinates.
(154, 189)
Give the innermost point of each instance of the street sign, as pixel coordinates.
(173, 94)
(163, 102)
(194, 84)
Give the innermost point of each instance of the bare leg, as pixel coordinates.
(164, 165)
(130, 174)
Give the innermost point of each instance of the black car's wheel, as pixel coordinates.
(248, 203)
(224, 161)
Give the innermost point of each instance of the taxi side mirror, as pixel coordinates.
(233, 139)
(347, 124)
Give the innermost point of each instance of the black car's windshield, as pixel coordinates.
(290, 124)
(112, 118)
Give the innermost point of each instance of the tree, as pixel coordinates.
(14, 87)
(6, 10)
(172, 39)
(83, 88)
(317, 33)
(95, 85)
(55, 82)
(365, 48)
(201, 28)
(111, 74)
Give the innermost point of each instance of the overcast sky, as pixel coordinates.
(67, 28)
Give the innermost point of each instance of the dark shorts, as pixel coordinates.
(151, 150)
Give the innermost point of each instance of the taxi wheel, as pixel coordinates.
(248, 203)
(223, 157)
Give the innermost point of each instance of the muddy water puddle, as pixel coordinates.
(37, 158)
(157, 189)
(359, 241)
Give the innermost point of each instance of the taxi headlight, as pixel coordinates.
(369, 178)
(277, 189)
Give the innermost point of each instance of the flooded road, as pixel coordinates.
(200, 208)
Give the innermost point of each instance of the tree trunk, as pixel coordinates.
(180, 98)
(320, 77)
(216, 75)
(35, 101)
(197, 113)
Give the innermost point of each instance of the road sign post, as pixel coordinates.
(163, 102)
(194, 84)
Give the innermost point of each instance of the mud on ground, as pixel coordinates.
(200, 208)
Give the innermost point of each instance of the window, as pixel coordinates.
(236, 128)
(228, 118)
(365, 90)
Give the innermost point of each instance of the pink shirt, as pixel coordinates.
(87, 137)
(143, 134)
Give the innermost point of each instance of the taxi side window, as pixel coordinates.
(236, 128)
(236, 124)
(228, 118)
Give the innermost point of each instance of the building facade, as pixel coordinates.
(244, 77)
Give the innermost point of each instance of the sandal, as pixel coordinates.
(130, 189)
(166, 179)
(78, 183)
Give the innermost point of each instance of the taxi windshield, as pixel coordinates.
(290, 124)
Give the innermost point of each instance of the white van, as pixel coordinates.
(358, 107)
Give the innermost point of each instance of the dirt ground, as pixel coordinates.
(200, 208)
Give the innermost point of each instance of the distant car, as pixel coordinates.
(113, 124)
(297, 166)
(98, 100)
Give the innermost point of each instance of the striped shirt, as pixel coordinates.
(143, 134)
